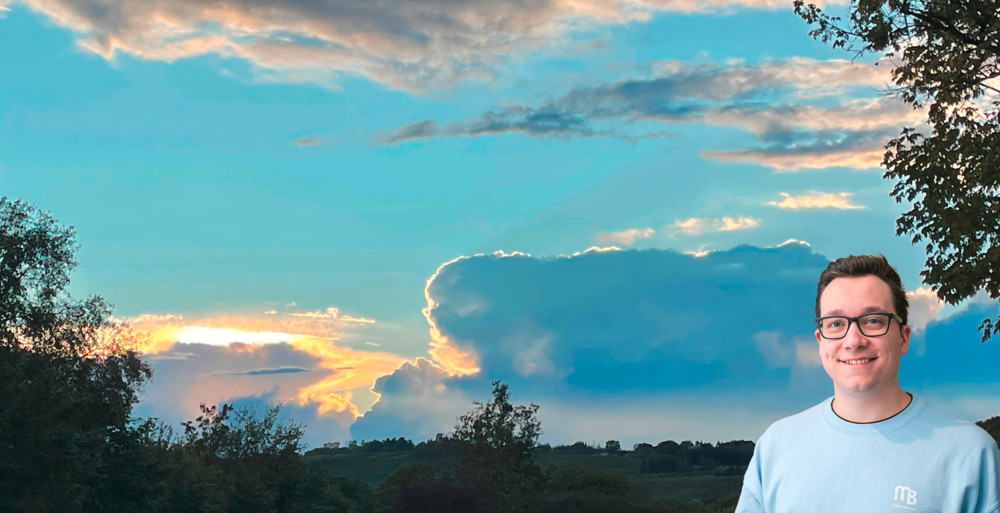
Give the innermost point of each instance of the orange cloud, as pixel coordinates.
(626, 237)
(700, 225)
(351, 368)
(445, 352)
(816, 199)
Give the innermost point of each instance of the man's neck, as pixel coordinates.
(864, 409)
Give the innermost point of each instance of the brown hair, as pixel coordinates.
(865, 265)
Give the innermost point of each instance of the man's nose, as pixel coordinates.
(854, 338)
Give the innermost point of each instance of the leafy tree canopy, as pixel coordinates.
(67, 378)
(498, 439)
(948, 56)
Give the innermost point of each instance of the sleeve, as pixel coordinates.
(752, 495)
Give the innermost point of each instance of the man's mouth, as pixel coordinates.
(858, 361)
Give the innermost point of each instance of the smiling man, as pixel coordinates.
(872, 447)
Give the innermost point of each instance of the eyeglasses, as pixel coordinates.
(871, 325)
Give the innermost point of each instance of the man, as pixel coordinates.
(872, 447)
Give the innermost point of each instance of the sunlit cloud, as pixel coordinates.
(411, 45)
(445, 351)
(815, 199)
(813, 156)
(332, 313)
(625, 237)
(700, 225)
(925, 307)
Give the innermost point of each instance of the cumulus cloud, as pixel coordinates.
(815, 199)
(625, 237)
(700, 225)
(411, 45)
(924, 308)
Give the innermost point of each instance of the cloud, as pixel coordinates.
(625, 237)
(700, 225)
(546, 123)
(416, 400)
(805, 111)
(924, 308)
(815, 199)
(856, 150)
(264, 372)
(411, 45)
(331, 313)
(308, 141)
(296, 357)
(607, 342)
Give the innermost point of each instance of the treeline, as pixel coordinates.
(723, 458)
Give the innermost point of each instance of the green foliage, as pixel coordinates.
(992, 426)
(949, 59)
(586, 490)
(498, 439)
(67, 379)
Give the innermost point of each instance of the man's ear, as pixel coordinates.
(904, 333)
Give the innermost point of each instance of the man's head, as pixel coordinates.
(863, 333)
(865, 265)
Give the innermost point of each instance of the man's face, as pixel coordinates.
(861, 365)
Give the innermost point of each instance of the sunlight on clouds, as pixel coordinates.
(626, 237)
(700, 225)
(352, 369)
(331, 313)
(729, 224)
(297, 42)
(924, 308)
(444, 351)
(313, 332)
(795, 159)
(815, 199)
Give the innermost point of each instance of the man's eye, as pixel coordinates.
(873, 321)
(834, 323)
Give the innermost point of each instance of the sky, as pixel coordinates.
(367, 212)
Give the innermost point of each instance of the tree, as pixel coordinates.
(498, 438)
(68, 378)
(949, 60)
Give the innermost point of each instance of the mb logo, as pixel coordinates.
(905, 494)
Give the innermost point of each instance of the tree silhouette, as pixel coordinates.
(67, 378)
(498, 438)
(949, 60)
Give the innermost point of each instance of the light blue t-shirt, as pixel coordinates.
(921, 460)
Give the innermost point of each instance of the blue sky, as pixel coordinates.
(282, 194)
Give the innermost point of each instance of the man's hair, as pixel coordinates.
(865, 265)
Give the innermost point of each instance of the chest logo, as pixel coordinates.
(905, 497)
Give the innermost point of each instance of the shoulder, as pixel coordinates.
(955, 431)
(800, 424)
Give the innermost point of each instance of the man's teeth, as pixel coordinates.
(858, 362)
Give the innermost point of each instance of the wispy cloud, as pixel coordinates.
(700, 225)
(625, 237)
(308, 141)
(407, 44)
(815, 199)
(805, 112)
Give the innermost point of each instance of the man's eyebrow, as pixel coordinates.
(865, 310)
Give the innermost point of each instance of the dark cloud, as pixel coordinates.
(264, 372)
